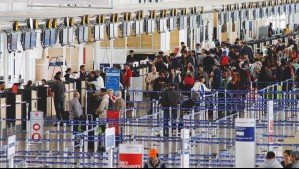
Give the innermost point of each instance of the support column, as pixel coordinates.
(191, 38)
(167, 40)
(230, 28)
(126, 47)
(63, 60)
(111, 52)
(5, 59)
(80, 56)
(247, 31)
(11, 62)
(46, 63)
(257, 29)
(27, 66)
(96, 55)
(162, 41)
(182, 36)
(204, 45)
(219, 32)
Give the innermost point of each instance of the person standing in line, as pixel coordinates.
(270, 30)
(154, 161)
(59, 94)
(127, 76)
(271, 161)
(102, 113)
(83, 73)
(75, 107)
(150, 80)
(169, 99)
(120, 104)
(96, 80)
(287, 163)
(295, 159)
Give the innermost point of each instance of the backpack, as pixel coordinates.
(224, 61)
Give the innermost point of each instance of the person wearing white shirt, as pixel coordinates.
(98, 81)
(225, 49)
(200, 87)
(197, 49)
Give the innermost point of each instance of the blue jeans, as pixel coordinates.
(59, 107)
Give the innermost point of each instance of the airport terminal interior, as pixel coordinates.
(149, 84)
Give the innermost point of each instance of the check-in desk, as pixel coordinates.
(3, 115)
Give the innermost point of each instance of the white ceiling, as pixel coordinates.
(44, 13)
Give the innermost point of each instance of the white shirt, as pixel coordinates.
(99, 84)
(198, 87)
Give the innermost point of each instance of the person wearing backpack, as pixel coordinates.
(224, 61)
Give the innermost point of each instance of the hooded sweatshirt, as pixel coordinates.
(273, 163)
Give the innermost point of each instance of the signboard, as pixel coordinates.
(270, 125)
(11, 145)
(113, 115)
(113, 79)
(130, 156)
(109, 138)
(72, 3)
(245, 137)
(37, 126)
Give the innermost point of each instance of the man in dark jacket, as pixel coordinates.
(169, 100)
(160, 65)
(246, 50)
(208, 62)
(59, 92)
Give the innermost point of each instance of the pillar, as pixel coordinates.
(80, 56)
(96, 55)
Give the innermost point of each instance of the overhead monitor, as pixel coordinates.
(85, 35)
(33, 39)
(71, 36)
(64, 36)
(96, 33)
(26, 40)
(14, 42)
(80, 34)
(53, 39)
(46, 38)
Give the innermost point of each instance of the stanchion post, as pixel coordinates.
(86, 99)
(85, 147)
(81, 154)
(58, 137)
(64, 135)
(170, 122)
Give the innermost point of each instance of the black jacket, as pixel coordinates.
(170, 98)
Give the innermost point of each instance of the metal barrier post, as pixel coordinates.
(85, 147)
(58, 136)
(81, 154)
(86, 99)
(170, 122)
(65, 157)
(64, 135)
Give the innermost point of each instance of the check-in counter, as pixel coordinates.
(19, 103)
(3, 114)
(34, 101)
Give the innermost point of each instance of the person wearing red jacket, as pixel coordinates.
(127, 76)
